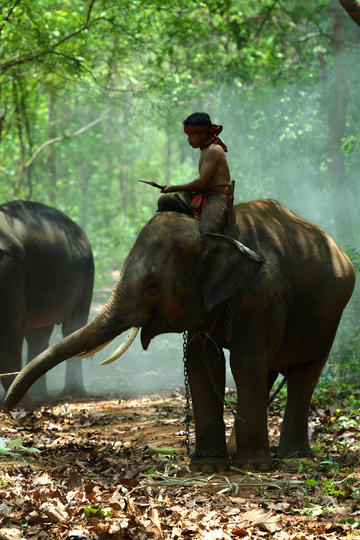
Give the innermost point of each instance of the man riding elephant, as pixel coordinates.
(208, 197)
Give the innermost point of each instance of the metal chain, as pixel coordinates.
(187, 395)
(229, 329)
(212, 379)
(229, 320)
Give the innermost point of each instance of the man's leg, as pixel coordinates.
(214, 215)
(179, 201)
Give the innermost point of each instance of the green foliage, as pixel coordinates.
(164, 451)
(351, 521)
(311, 509)
(98, 512)
(354, 256)
(4, 481)
(14, 446)
(351, 144)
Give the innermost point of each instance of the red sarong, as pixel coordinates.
(198, 202)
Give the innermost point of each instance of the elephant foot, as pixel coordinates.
(252, 461)
(38, 391)
(29, 403)
(78, 392)
(298, 450)
(37, 398)
(208, 463)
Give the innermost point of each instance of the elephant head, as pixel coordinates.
(170, 282)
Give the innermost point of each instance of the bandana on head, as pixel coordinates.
(213, 131)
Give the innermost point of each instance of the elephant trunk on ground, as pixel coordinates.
(104, 328)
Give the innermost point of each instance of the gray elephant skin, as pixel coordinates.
(46, 278)
(275, 304)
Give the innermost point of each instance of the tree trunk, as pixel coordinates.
(27, 125)
(168, 156)
(337, 107)
(51, 157)
(18, 120)
(2, 116)
(126, 196)
(337, 110)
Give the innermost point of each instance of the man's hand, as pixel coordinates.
(169, 189)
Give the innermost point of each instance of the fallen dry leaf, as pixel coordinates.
(267, 521)
(11, 533)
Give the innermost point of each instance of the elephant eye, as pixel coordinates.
(153, 287)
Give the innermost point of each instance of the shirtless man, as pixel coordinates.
(207, 197)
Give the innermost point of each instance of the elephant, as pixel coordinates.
(271, 291)
(46, 278)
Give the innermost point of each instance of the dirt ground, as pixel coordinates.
(118, 469)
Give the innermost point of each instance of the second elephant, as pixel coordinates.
(46, 278)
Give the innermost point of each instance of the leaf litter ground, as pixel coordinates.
(118, 469)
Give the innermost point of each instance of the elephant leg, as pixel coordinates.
(74, 378)
(37, 341)
(207, 384)
(231, 443)
(258, 332)
(249, 366)
(11, 346)
(301, 382)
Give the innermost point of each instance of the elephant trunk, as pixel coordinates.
(104, 328)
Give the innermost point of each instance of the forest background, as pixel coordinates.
(93, 94)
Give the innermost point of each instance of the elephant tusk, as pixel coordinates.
(123, 347)
(92, 351)
(2, 375)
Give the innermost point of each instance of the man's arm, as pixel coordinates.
(208, 169)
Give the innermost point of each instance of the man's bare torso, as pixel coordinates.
(214, 158)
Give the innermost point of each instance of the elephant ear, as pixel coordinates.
(228, 263)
